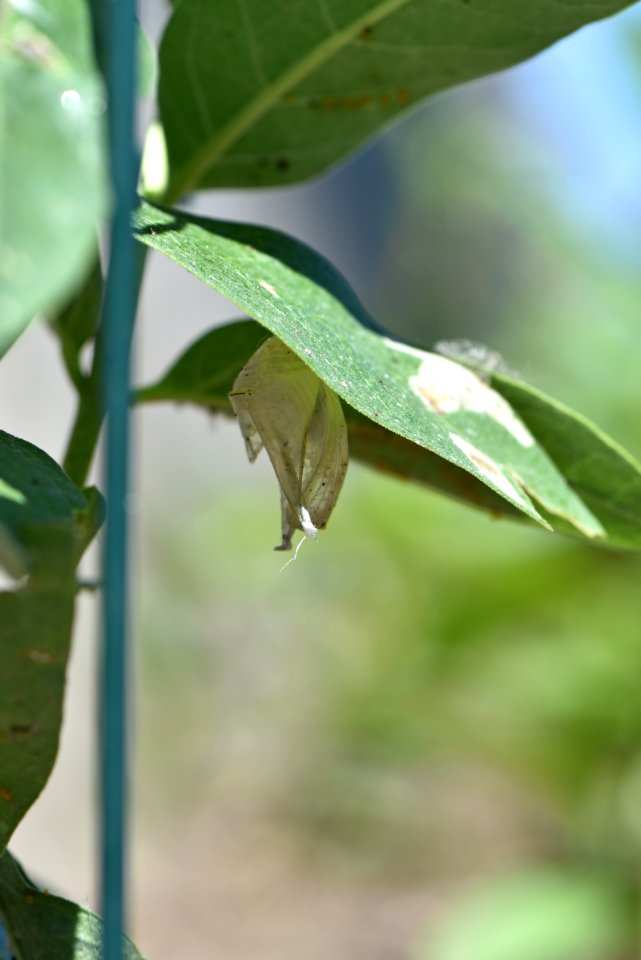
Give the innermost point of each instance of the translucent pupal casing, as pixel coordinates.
(283, 406)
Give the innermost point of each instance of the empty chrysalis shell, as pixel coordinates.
(283, 406)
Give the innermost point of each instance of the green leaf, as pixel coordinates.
(255, 95)
(205, 373)
(35, 633)
(45, 524)
(536, 915)
(297, 295)
(50, 157)
(41, 926)
(602, 473)
(47, 518)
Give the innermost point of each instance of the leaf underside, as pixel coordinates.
(257, 94)
(300, 298)
(603, 474)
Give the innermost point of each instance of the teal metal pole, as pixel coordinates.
(118, 321)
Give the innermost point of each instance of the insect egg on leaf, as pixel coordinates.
(283, 406)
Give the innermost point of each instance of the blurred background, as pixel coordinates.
(421, 741)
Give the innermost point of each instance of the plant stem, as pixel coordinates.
(89, 413)
(84, 435)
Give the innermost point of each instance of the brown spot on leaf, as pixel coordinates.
(403, 97)
(347, 103)
(5, 795)
(20, 729)
(488, 467)
(366, 32)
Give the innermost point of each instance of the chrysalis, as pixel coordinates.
(283, 406)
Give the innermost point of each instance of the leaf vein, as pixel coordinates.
(220, 140)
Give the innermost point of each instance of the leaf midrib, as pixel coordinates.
(191, 173)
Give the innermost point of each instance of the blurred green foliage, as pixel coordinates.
(536, 915)
(428, 694)
(485, 244)
(424, 693)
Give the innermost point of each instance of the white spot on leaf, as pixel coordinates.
(488, 467)
(282, 405)
(269, 288)
(447, 387)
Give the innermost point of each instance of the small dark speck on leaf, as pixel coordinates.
(35, 482)
(366, 32)
(19, 728)
(282, 164)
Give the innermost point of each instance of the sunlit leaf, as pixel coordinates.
(254, 94)
(205, 373)
(424, 398)
(50, 157)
